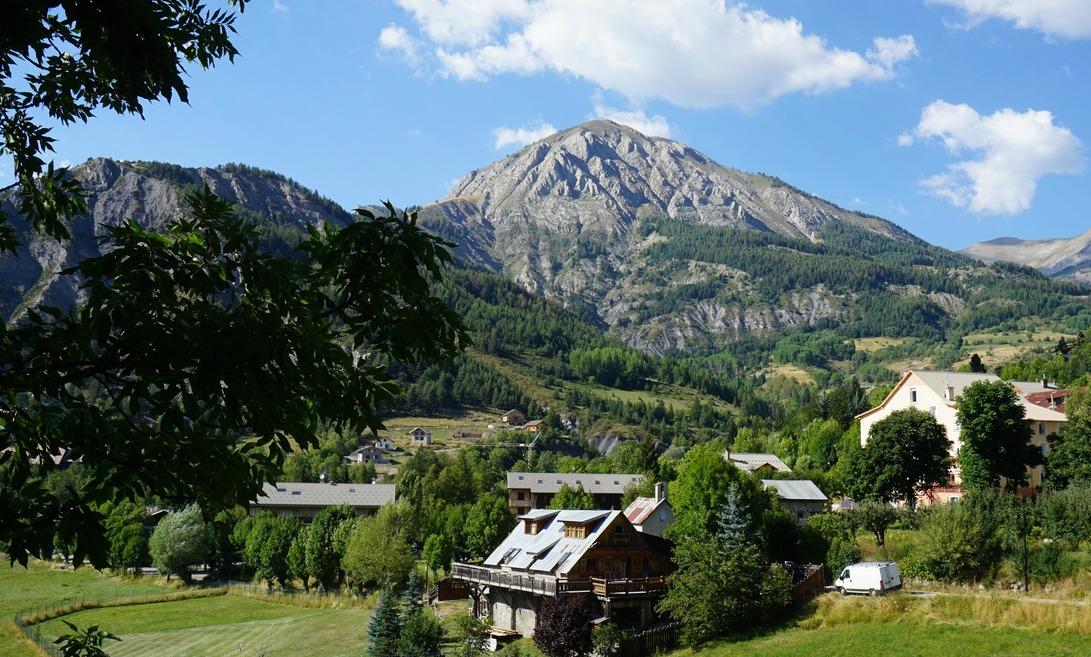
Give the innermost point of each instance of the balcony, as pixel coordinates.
(551, 586)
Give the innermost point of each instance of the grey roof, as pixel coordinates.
(551, 482)
(549, 551)
(750, 461)
(358, 496)
(795, 490)
(938, 381)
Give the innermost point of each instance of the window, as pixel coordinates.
(520, 496)
(912, 395)
(591, 565)
(573, 530)
(621, 535)
(662, 516)
(932, 410)
(1041, 428)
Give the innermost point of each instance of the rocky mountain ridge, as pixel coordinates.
(150, 194)
(562, 217)
(1068, 259)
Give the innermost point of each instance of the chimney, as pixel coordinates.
(660, 491)
(949, 392)
(1045, 382)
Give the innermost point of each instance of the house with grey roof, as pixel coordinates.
(800, 496)
(535, 490)
(937, 393)
(304, 500)
(556, 553)
(756, 463)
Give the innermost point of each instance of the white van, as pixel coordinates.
(871, 577)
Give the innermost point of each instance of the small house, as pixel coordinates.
(420, 437)
(514, 418)
(802, 497)
(651, 515)
(535, 490)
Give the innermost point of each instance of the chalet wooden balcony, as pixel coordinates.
(550, 585)
(540, 584)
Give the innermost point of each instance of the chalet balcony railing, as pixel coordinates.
(550, 585)
(609, 588)
(541, 584)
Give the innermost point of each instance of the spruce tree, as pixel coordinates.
(385, 628)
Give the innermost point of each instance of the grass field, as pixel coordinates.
(205, 627)
(970, 625)
(901, 640)
(41, 586)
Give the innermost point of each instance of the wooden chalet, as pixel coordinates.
(554, 553)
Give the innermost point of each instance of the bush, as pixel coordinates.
(959, 543)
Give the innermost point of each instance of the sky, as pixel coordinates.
(959, 120)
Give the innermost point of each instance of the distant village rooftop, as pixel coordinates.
(294, 494)
(752, 462)
(551, 482)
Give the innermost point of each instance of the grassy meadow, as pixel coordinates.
(224, 625)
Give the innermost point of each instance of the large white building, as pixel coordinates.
(937, 393)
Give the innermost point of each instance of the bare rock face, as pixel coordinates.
(151, 195)
(561, 218)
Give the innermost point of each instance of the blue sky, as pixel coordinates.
(960, 120)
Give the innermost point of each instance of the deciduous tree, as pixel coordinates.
(906, 454)
(193, 338)
(564, 626)
(995, 437)
(179, 541)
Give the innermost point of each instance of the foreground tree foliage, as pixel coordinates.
(198, 361)
(69, 58)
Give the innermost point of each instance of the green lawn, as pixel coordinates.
(203, 627)
(902, 640)
(41, 586)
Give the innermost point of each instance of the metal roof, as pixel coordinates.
(751, 461)
(549, 551)
(358, 496)
(641, 508)
(795, 490)
(551, 482)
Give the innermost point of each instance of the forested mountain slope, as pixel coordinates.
(672, 252)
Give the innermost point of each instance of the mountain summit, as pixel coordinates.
(604, 176)
(567, 217)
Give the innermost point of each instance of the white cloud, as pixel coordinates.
(398, 40)
(1007, 154)
(529, 134)
(280, 7)
(1070, 19)
(692, 53)
(652, 126)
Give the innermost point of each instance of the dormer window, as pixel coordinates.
(531, 526)
(576, 530)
